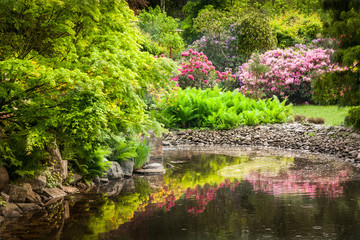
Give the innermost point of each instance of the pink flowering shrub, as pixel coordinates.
(197, 71)
(285, 73)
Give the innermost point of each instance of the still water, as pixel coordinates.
(208, 196)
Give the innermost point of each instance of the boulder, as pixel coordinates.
(114, 172)
(31, 196)
(127, 167)
(69, 189)
(16, 193)
(54, 193)
(151, 169)
(38, 184)
(4, 177)
(28, 207)
(112, 188)
(11, 210)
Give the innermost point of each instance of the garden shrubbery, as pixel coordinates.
(353, 117)
(197, 71)
(286, 73)
(214, 109)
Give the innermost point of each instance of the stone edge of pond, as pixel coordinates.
(336, 142)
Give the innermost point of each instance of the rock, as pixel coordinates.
(31, 196)
(156, 144)
(76, 178)
(54, 193)
(96, 180)
(153, 165)
(127, 167)
(129, 185)
(11, 210)
(4, 177)
(16, 193)
(69, 189)
(38, 184)
(355, 135)
(166, 144)
(152, 170)
(81, 185)
(104, 180)
(112, 188)
(4, 196)
(28, 207)
(115, 171)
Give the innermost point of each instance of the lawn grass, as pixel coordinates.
(333, 115)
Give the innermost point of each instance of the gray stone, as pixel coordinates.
(355, 135)
(112, 188)
(4, 177)
(96, 180)
(28, 207)
(38, 184)
(153, 165)
(104, 180)
(54, 193)
(150, 171)
(16, 193)
(114, 172)
(127, 167)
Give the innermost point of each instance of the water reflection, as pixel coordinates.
(205, 196)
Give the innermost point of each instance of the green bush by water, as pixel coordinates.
(353, 117)
(212, 108)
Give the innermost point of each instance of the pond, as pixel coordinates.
(212, 196)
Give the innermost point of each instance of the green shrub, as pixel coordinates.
(212, 108)
(254, 32)
(294, 27)
(353, 117)
(325, 90)
(161, 28)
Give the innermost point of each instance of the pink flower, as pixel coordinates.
(191, 77)
(205, 81)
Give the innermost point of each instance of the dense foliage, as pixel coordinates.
(162, 29)
(353, 117)
(214, 109)
(343, 24)
(285, 73)
(73, 78)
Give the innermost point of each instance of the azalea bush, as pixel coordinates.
(285, 73)
(199, 72)
(216, 109)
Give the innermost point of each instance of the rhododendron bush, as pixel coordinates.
(286, 73)
(198, 71)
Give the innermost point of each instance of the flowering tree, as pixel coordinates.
(285, 73)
